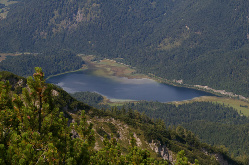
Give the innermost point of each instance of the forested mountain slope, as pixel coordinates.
(214, 123)
(34, 130)
(200, 42)
(54, 62)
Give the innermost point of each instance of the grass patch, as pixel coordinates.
(170, 43)
(241, 106)
(4, 55)
(7, 2)
(113, 104)
(107, 68)
(4, 11)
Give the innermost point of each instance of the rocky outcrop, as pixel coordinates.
(163, 151)
(220, 159)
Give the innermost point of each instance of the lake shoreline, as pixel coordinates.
(111, 68)
(118, 89)
(111, 65)
(59, 74)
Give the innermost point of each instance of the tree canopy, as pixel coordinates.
(34, 131)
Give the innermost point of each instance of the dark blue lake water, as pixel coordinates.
(123, 88)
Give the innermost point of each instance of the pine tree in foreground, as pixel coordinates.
(34, 131)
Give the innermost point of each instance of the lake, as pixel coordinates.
(123, 88)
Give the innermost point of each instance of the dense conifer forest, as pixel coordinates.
(54, 62)
(215, 124)
(198, 42)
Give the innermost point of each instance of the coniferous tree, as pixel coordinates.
(33, 131)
